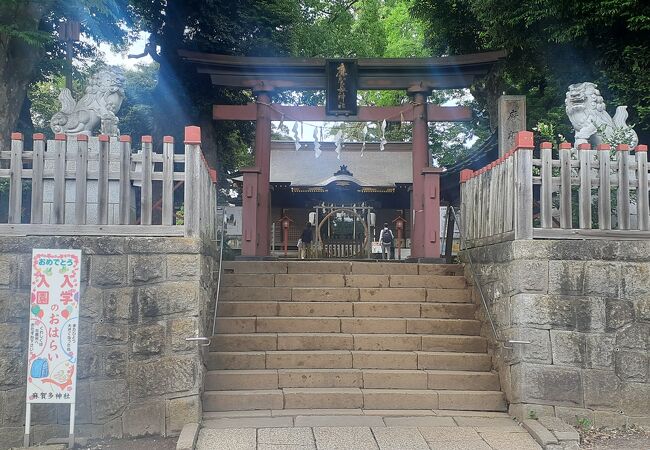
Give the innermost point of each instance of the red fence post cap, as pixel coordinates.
(524, 139)
(59, 137)
(641, 148)
(546, 146)
(465, 175)
(104, 138)
(603, 147)
(565, 146)
(622, 148)
(193, 135)
(82, 137)
(584, 146)
(125, 138)
(168, 139)
(146, 139)
(213, 175)
(16, 136)
(38, 137)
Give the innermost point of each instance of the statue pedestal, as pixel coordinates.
(92, 185)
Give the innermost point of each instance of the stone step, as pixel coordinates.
(354, 267)
(428, 281)
(344, 294)
(352, 398)
(347, 341)
(344, 359)
(356, 325)
(347, 309)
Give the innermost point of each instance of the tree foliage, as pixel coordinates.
(551, 44)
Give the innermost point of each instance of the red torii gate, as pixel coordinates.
(418, 76)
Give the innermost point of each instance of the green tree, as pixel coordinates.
(550, 45)
(29, 50)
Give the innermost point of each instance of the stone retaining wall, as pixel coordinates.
(141, 297)
(585, 306)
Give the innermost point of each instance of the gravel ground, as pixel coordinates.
(149, 443)
(632, 438)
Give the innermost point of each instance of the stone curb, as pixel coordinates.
(543, 436)
(552, 433)
(189, 435)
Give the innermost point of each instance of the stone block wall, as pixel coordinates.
(141, 297)
(585, 308)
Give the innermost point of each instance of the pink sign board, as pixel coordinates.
(53, 326)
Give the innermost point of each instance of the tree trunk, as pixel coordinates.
(17, 62)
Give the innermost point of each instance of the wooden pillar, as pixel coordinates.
(250, 211)
(431, 214)
(420, 161)
(263, 163)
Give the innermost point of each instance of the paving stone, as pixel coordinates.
(454, 413)
(248, 422)
(317, 412)
(286, 436)
(344, 438)
(421, 421)
(398, 412)
(231, 439)
(510, 441)
(459, 445)
(399, 439)
(339, 421)
(222, 414)
(485, 422)
(447, 434)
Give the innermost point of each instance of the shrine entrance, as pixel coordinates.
(341, 79)
(343, 232)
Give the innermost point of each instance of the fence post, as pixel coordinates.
(192, 180)
(16, 178)
(524, 185)
(37, 178)
(643, 212)
(546, 149)
(81, 178)
(465, 176)
(58, 203)
(102, 179)
(168, 181)
(566, 213)
(125, 180)
(604, 188)
(146, 196)
(623, 197)
(584, 203)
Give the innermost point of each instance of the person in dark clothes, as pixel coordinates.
(306, 239)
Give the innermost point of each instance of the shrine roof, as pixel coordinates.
(374, 169)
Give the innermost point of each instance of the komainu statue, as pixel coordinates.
(591, 121)
(104, 96)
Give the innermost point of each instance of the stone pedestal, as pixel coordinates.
(92, 185)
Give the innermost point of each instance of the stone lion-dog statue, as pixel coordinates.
(591, 121)
(103, 98)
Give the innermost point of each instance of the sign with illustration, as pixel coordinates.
(53, 326)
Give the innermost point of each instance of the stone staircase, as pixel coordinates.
(347, 335)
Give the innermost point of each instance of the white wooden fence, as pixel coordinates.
(68, 166)
(521, 197)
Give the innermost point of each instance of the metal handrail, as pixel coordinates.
(216, 295)
(208, 340)
(503, 342)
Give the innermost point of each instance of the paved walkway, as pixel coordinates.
(372, 430)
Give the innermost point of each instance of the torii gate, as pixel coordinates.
(341, 78)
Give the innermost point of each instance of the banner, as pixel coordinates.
(53, 326)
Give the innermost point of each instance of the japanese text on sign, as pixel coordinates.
(53, 326)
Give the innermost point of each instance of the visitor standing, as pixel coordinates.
(306, 238)
(386, 238)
